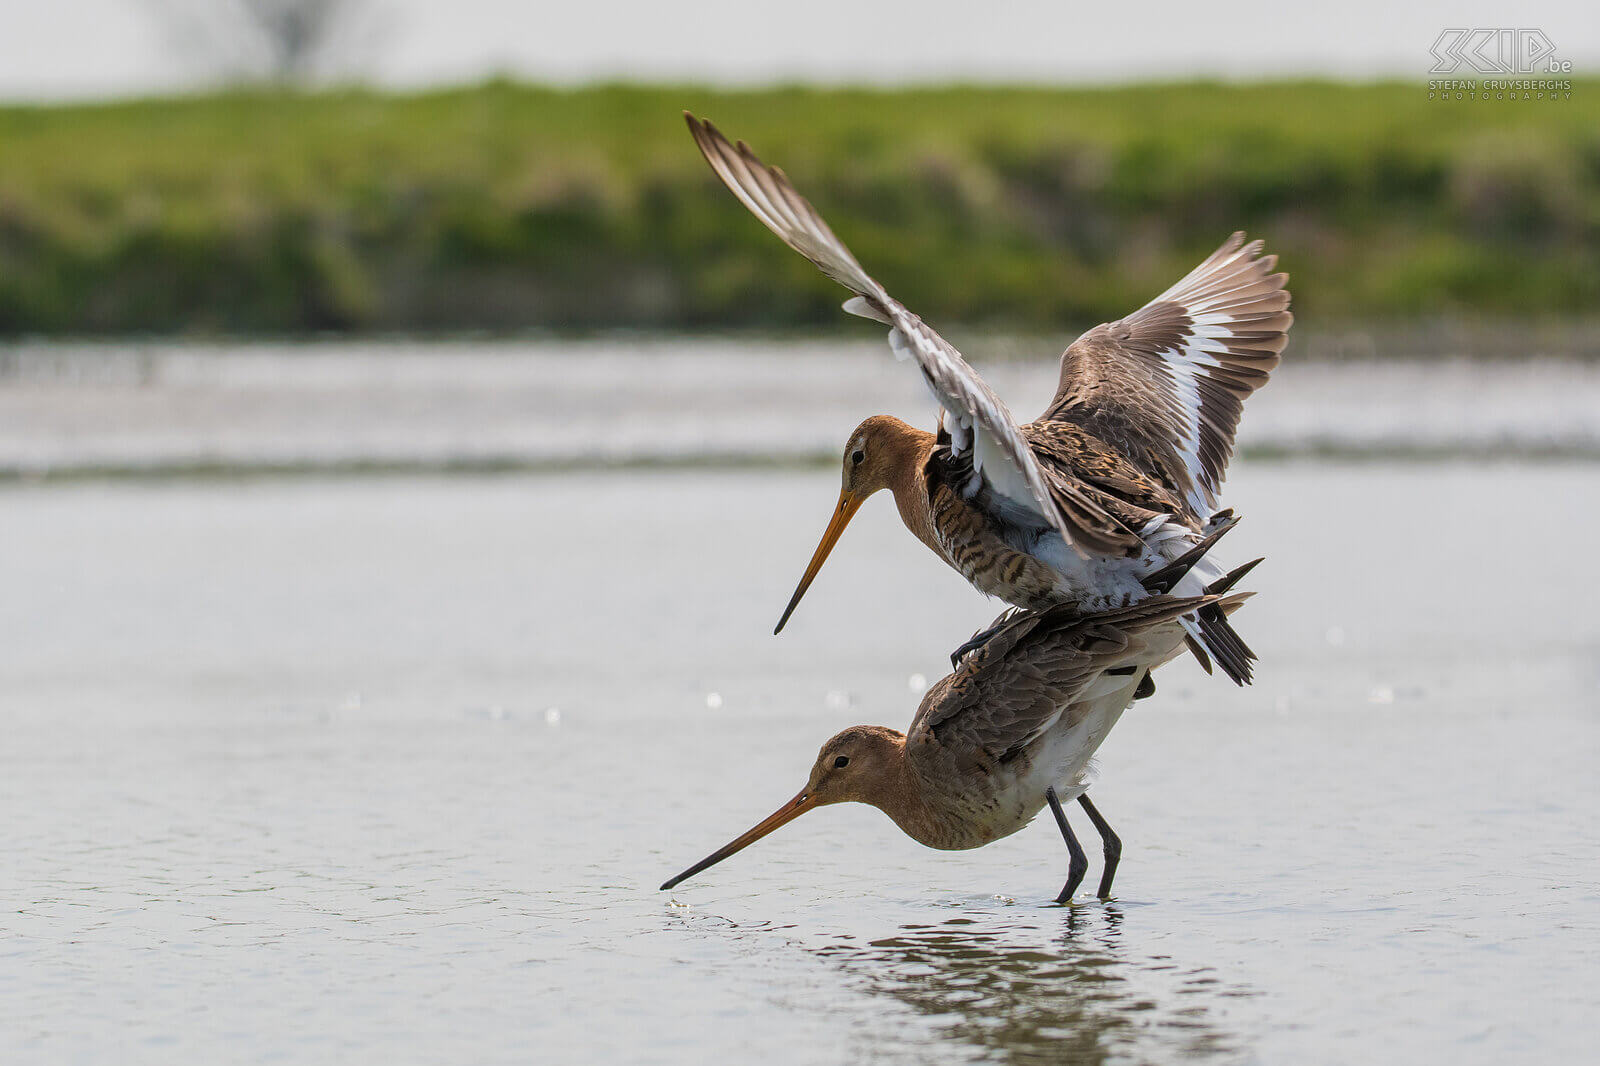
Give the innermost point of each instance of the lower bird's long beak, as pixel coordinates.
(782, 816)
(849, 504)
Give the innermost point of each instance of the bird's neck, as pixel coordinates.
(899, 794)
(910, 485)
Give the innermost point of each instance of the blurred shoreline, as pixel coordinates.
(387, 407)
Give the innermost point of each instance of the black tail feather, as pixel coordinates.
(1231, 578)
(1163, 580)
(1231, 653)
(1219, 637)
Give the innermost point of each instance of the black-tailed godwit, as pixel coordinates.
(1116, 479)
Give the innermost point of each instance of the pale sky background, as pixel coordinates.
(55, 49)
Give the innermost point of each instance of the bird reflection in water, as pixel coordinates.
(1061, 990)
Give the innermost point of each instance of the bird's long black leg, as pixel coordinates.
(982, 637)
(971, 646)
(1112, 842)
(1079, 863)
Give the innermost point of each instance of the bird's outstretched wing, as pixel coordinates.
(1005, 695)
(977, 419)
(1165, 385)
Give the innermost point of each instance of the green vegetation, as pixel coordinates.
(505, 206)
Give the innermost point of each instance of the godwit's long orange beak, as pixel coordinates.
(782, 816)
(849, 504)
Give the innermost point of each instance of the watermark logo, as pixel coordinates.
(1496, 51)
(1518, 64)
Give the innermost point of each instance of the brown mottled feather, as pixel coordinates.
(1009, 689)
(968, 541)
(1071, 453)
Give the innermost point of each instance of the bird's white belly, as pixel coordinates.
(1062, 755)
(1094, 582)
(1101, 582)
(1063, 759)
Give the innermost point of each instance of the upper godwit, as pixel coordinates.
(1118, 477)
(1011, 731)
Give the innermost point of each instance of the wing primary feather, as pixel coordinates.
(769, 195)
(1171, 378)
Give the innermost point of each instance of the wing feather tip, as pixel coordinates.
(861, 307)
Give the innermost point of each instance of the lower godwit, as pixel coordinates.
(1010, 732)
(1120, 475)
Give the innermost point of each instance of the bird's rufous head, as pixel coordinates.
(859, 765)
(877, 455)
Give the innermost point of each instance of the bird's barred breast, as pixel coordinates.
(971, 546)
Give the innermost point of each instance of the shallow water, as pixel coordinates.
(554, 404)
(388, 770)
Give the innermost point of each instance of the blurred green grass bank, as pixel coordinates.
(505, 207)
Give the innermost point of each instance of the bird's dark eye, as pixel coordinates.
(857, 455)
(841, 762)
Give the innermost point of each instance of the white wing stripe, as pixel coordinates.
(1186, 361)
(1186, 371)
